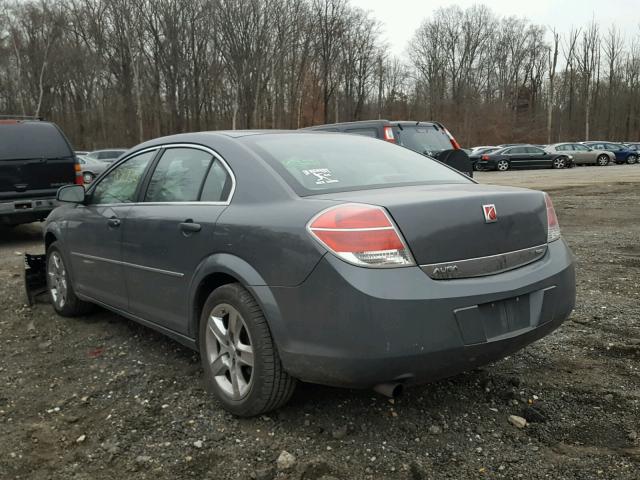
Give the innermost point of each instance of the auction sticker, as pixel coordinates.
(322, 175)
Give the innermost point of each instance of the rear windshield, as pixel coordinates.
(426, 139)
(325, 162)
(22, 141)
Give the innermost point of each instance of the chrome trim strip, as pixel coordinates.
(482, 266)
(176, 145)
(127, 264)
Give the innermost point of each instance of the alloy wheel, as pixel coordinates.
(559, 163)
(631, 159)
(503, 165)
(229, 351)
(603, 160)
(57, 279)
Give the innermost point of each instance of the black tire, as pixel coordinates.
(72, 305)
(502, 165)
(270, 386)
(602, 160)
(559, 162)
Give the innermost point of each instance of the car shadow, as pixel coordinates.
(31, 232)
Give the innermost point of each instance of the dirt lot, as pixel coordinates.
(101, 397)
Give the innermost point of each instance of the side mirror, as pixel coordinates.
(71, 194)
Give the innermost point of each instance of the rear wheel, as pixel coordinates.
(239, 357)
(631, 159)
(603, 160)
(560, 162)
(63, 297)
(502, 165)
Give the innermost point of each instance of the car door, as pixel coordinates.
(94, 232)
(537, 157)
(170, 231)
(582, 154)
(516, 156)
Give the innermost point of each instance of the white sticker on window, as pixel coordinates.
(322, 175)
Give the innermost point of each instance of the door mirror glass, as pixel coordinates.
(71, 194)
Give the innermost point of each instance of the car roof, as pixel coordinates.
(381, 122)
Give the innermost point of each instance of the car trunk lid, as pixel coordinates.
(446, 223)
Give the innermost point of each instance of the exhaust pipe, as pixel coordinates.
(391, 390)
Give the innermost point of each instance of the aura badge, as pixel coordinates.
(490, 214)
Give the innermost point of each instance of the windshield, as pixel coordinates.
(426, 139)
(325, 162)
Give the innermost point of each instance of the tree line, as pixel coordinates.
(116, 72)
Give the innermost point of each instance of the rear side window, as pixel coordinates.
(178, 176)
(367, 132)
(30, 140)
(121, 183)
(332, 163)
(425, 139)
(217, 185)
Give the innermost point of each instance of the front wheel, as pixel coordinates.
(560, 162)
(631, 159)
(88, 177)
(239, 357)
(603, 160)
(502, 165)
(63, 297)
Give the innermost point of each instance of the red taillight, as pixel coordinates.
(388, 134)
(454, 143)
(484, 157)
(361, 234)
(553, 227)
(78, 169)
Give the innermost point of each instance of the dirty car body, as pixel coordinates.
(370, 263)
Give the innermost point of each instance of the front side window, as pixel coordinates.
(121, 183)
(613, 146)
(313, 163)
(178, 176)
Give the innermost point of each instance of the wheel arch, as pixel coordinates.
(222, 269)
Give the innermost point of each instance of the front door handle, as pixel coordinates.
(114, 222)
(188, 226)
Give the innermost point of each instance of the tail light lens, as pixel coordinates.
(553, 227)
(362, 235)
(78, 169)
(454, 143)
(484, 157)
(388, 135)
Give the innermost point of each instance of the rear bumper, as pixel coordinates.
(356, 327)
(25, 210)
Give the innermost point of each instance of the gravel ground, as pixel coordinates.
(101, 397)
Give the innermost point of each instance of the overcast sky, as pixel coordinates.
(401, 18)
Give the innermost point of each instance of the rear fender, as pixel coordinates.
(245, 274)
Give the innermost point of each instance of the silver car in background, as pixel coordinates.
(582, 154)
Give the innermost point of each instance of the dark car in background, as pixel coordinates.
(107, 155)
(523, 156)
(475, 155)
(428, 138)
(328, 258)
(36, 159)
(623, 154)
(635, 146)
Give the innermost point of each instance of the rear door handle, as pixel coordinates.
(113, 222)
(188, 226)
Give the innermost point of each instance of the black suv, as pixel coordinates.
(428, 138)
(35, 160)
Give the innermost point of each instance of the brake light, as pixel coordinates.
(454, 143)
(78, 169)
(363, 235)
(553, 227)
(388, 135)
(484, 157)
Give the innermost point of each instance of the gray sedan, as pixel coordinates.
(90, 168)
(582, 154)
(322, 257)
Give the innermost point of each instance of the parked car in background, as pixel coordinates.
(635, 146)
(582, 154)
(428, 138)
(329, 258)
(481, 147)
(35, 160)
(623, 154)
(523, 156)
(108, 155)
(81, 153)
(91, 168)
(475, 157)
